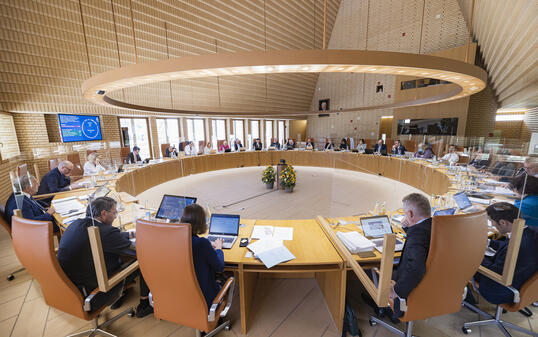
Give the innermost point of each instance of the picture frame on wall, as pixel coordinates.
(324, 104)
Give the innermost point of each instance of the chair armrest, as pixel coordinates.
(87, 301)
(228, 288)
(517, 299)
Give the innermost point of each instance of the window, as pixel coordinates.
(9, 145)
(268, 132)
(239, 133)
(255, 129)
(138, 134)
(168, 131)
(218, 127)
(195, 131)
(281, 133)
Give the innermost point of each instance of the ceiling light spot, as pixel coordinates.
(340, 68)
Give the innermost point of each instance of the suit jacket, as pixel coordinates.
(383, 149)
(343, 146)
(31, 209)
(257, 146)
(131, 158)
(238, 147)
(276, 145)
(526, 266)
(399, 150)
(54, 181)
(412, 265)
(75, 255)
(207, 262)
(328, 146)
(168, 153)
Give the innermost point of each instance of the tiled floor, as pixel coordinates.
(283, 307)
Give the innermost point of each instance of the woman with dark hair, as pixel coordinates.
(526, 187)
(207, 256)
(343, 145)
(361, 147)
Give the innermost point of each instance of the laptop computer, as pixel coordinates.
(225, 227)
(171, 207)
(102, 191)
(463, 202)
(446, 211)
(375, 227)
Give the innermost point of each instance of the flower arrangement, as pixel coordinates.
(268, 176)
(288, 177)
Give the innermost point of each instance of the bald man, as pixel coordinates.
(57, 180)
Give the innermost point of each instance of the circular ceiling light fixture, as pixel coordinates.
(467, 79)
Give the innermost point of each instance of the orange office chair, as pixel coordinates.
(457, 246)
(33, 245)
(7, 227)
(175, 292)
(53, 163)
(522, 298)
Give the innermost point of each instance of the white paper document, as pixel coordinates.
(355, 242)
(271, 251)
(265, 232)
(68, 207)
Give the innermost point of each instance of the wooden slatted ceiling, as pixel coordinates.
(44, 60)
(506, 34)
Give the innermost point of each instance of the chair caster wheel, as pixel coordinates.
(466, 330)
(131, 314)
(372, 323)
(11, 277)
(228, 327)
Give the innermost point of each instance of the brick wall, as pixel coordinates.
(481, 114)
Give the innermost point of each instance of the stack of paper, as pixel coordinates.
(271, 251)
(355, 242)
(265, 232)
(68, 207)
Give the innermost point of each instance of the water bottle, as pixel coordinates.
(376, 209)
(383, 208)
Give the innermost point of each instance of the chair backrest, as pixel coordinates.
(33, 245)
(163, 149)
(77, 166)
(53, 163)
(457, 247)
(176, 293)
(22, 169)
(201, 144)
(3, 221)
(124, 152)
(74, 157)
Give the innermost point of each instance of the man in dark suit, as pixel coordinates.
(258, 146)
(75, 256)
(398, 148)
(417, 225)
(58, 180)
(380, 148)
(171, 152)
(502, 216)
(133, 157)
(31, 209)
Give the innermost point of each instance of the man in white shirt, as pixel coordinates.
(451, 157)
(189, 149)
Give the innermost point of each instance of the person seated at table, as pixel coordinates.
(451, 157)
(417, 224)
(93, 165)
(31, 208)
(310, 144)
(380, 147)
(275, 143)
(361, 146)
(237, 145)
(171, 151)
(189, 149)
(425, 151)
(290, 145)
(257, 146)
(530, 166)
(526, 187)
(207, 256)
(328, 145)
(76, 259)
(398, 148)
(502, 216)
(478, 160)
(208, 148)
(224, 146)
(133, 157)
(58, 180)
(343, 144)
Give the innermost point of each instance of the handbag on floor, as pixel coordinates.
(350, 322)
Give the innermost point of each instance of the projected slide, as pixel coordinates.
(78, 128)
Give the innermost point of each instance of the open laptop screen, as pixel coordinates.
(376, 226)
(447, 211)
(172, 206)
(462, 200)
(101, 192)
(225, 224)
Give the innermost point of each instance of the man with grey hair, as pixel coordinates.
(75, 255)
(57, 179)
(417, 225)
(31, 209)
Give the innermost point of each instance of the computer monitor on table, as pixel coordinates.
(172, 206)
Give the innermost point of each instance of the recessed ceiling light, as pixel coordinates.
(401, 71)
(340, 68)
(269, 68)
(305, 68)
(372, 69)
(424, 73)
(235, 71)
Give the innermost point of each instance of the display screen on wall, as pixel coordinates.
(79, 128)
(439, 126)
